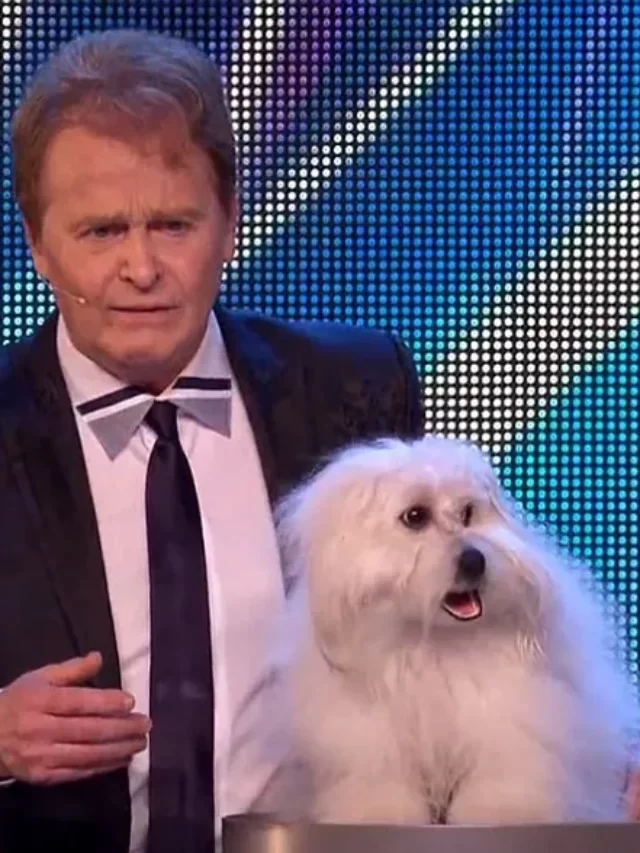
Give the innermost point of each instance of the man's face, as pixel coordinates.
(142, 241)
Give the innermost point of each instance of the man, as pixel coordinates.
(143, 441)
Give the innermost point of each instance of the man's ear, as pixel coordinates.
(231, 238)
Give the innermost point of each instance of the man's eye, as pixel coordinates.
(102, 232)
(175, 226)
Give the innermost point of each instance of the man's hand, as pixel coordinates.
(54, 730)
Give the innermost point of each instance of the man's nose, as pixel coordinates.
(140, 264)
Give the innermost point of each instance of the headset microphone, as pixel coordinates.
(79, 299)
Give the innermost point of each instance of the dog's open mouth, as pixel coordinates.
(465, 606)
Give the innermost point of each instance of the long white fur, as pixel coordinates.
(400, 713)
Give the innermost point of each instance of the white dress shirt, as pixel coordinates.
(246, 591)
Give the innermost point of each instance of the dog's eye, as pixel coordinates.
(467, 514)
(416, 517)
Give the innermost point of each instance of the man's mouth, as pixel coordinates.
(465, 605)
(152, 315)
(150, 309)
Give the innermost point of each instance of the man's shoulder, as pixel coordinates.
(328, 341)
(12, 379)
(28, 370)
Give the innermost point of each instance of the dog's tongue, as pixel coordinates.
(463, 605)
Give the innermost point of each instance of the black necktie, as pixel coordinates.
(181, 806)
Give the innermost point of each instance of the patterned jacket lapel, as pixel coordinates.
(275, 395)
(46, 456)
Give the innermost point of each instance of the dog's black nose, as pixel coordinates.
(471, 564)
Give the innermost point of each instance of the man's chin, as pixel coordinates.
(146, 355)
(151, 367)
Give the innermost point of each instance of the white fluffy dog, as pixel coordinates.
(447, 664)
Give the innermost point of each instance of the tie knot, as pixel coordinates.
(162, 418)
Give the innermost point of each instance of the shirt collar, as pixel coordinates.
(114, 410)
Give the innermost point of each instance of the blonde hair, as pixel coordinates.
(125, 84)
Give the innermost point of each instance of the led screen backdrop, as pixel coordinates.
(465, 174)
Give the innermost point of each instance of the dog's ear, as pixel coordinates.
(308, 553)
(289, 526)
(334, 537)
(504, 504)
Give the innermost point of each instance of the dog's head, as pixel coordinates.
(418, 536)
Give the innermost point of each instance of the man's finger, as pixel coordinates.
(70, 756)
(95, 730)
(85, 701)
(56, 777)
(73, 671)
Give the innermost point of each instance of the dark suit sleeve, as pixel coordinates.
(411, 423)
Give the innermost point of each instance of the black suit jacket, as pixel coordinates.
(309, 388)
